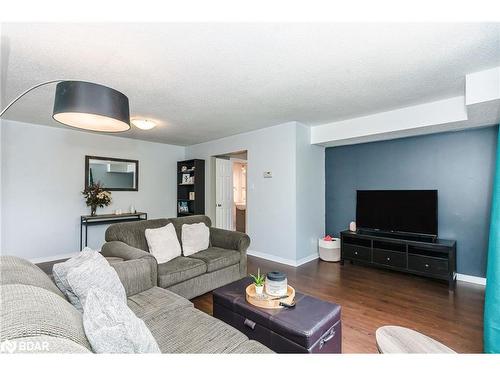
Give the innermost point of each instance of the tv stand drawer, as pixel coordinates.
(428, 265)
(389, 258)
(356, 252)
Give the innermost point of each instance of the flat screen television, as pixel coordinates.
(409, 211)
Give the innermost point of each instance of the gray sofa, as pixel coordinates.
(36, 317)
(223, 262)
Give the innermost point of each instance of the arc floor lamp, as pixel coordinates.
(86, 105)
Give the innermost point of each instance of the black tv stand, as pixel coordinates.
(399, 235)
(435, 259)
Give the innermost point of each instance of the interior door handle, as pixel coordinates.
(219, 205)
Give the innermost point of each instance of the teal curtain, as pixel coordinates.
(492, 299)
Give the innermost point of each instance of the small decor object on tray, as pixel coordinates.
(95, 195)
(276, 284)
(259, 281)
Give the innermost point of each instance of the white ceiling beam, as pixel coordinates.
(479, 106)
(482, 86)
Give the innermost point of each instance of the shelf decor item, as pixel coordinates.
(352, 226)
(183, 207)
(259, 281)
(96, 196)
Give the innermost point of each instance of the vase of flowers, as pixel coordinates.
(96, 196)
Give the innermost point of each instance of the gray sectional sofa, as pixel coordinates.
(36, 317)
(223, 262)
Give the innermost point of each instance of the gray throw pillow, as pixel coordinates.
(111, 327)
(94, 273)
(60, 273)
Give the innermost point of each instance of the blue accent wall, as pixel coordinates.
(460, 165)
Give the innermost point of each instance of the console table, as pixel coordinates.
(435, 259)
(89, 220)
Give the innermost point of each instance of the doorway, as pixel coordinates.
(231, 191)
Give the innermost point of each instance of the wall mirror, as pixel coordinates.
(113, 174)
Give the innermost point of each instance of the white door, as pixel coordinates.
(223, 194)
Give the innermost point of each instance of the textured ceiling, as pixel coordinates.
(206, 81)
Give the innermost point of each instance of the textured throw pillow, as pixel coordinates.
(163, 243)
(60, 273)
(95, 273)
(195, 237)
(111, 327)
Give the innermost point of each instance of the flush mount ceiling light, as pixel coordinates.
(143, 124)
(88, 106)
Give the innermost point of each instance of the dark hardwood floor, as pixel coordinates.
(371, 298)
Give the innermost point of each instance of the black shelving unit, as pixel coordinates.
(195, 169)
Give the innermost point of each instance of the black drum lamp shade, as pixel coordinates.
(90, 106)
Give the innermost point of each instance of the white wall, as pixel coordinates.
(274, 204)
(310, 165)
(270, 201)
(43, 176)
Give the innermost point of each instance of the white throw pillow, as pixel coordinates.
(195, 237)
(163, 243)
(94, 273)
(111, 327)
(60, 273)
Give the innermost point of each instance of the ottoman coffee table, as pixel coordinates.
(312, 326)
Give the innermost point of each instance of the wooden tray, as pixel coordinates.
(265, 301)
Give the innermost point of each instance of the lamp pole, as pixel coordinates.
(27, 91)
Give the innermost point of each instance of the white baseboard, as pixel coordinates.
(272, 258)
(471, 279)
(53, 257)
(307, 259)
(288, 262)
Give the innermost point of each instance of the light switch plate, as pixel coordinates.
(268, 174)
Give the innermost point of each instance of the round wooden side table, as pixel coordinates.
(395, 339)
